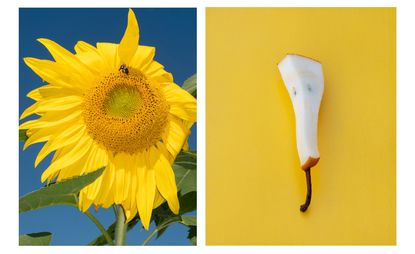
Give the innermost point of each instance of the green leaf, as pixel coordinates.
(185, 171)
(185, 179)
(57, 194)
(163, 213)
(41, 238)
(100, 240)
(159, 215)
(190, 85)
(187, 202)
(184, 168)
(189, 220)
(22, 135)
(162, 226)
(192, 235)
(168, 221)
(187, 159)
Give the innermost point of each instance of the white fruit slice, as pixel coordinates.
(303, 78)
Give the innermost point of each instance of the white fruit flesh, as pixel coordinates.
(303, 78)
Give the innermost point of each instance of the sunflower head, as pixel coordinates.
(111, 105)
(126, 113)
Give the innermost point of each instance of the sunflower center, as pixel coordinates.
(125, 112)
(123, 102)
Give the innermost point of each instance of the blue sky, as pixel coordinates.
(171, 31)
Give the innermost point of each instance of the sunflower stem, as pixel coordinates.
(145, 242)
(100, 227)
(114, 209)
(120, 226)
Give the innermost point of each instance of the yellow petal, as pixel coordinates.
(97, 159)
(130, 213)
(176, 94)
(186, 145)
(175, 135)
(49, 71)
(71, 170)
(184, 111)
(130, 166)
(166, 181)
(93, 188)
(109, 52)
(120, 179)
(35, 94)
(69, 61)
(156, 72)
(37, 137)
(51, 91)
(71, 155)
(105, 195)
(182, 104)
(165, 77)
(49, 119)
(129, 42)
(84, 201)
(129, 194)
(130, 202)
(58, 104)
(158, 199)
(62, 139)
(84, 47)
(154, 69)
(29, 111)
(146, 190)
(51, 177)
(44, 134)
(90, 56)
(142, 57)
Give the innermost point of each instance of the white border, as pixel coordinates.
(203, 3)
(405, 125)
(201, 127)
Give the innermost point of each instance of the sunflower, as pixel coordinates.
(111, 106)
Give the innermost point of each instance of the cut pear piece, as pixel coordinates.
(303, 78)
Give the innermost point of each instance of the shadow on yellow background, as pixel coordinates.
(254, 184)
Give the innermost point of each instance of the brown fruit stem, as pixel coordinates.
(304, 207)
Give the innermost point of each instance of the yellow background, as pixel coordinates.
(254, 182)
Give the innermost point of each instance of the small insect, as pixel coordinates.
(124, 68)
